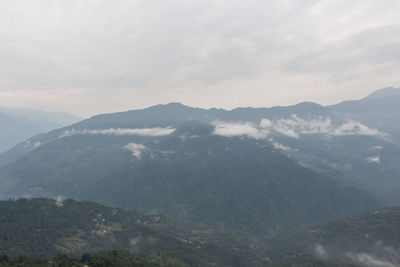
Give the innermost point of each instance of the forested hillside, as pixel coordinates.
(43, 228)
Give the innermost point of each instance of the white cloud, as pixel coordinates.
(379, 255)
(370, 260)
(59, 202)
(265, 123)
(119, 131)
(286, 127)
(135, 149)
(375, 159)
(357, 128)
(239, 129)
(320, 251)
(295, 126)
(281, 147)
(186, 137)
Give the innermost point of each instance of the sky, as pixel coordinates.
(99, 56)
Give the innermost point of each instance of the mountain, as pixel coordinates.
(18, 125)
(190, 173)
(367, 160)
(75, 233)
(44, 118)
(369, 239)
(378, 110)
(246, 169)
(14, 130)
(44, 228)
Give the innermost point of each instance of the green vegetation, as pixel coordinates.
(375, 232)
(77, 233)
(115, 258)
(305, 260)
(205, 181)
(43, 228)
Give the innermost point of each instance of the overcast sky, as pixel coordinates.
(96, 56)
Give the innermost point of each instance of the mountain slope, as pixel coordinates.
(44, 227)
(365, 238)
(19, 125)
(14, 130)
(191, 174)
(378, 110)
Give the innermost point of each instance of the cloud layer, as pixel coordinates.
(157, 131)
(129, 54)
(294, 127)
(239, 129)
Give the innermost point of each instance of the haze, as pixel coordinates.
(91, 57)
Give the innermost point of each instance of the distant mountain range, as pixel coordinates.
(257, 170)
(17, 125)
(261, 173)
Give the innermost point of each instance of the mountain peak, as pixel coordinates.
(385, 92)
(171, 106)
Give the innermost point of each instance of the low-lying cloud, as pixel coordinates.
(239, 129)
(370, 260)
(135, 149)
(29, 144)
(378, 255)
(294, 127)
(320, 251)
(157, 131)
(374, 159)
(282, 147)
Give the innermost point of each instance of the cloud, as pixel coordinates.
(320, 251)
(281, 146)
(375, 159)
(286, 127)
(265, 123)
(59, 202)
(135, 149)
(379, 255)
(295, 126)
(239, 129)
(29, 144)
(158, 131)
(203, 53)
(370, 261)
(357, 128)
